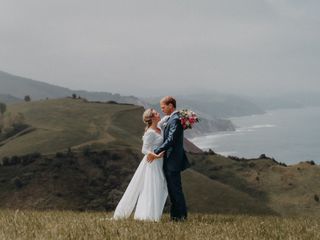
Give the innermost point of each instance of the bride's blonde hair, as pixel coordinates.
(147, 117)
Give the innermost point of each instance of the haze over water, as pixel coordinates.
(288, 135)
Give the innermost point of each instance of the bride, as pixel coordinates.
(147, 189)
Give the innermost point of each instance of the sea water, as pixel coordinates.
(288, 135)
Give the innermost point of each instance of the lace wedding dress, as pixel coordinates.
(147, 189)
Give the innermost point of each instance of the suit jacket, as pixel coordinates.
(175, 158)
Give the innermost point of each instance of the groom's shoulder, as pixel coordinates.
(175, 118)
(176, 114)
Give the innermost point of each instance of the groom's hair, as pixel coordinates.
(168, 99)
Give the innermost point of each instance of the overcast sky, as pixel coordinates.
(146, 47)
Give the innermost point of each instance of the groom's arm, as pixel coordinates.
(175, 129)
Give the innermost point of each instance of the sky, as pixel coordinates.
(147, 47)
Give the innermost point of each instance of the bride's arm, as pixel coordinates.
(147, 143)
(148, 139)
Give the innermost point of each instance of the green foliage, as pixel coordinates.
(24, 160)
(17, 182)
(87, 151)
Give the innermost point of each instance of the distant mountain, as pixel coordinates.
(209, 126)
(212, 109)
(289, 100)
(19, 87)
(205, 126)
(216, 105)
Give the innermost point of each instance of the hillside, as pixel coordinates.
(13, 88)
(68, 123)
(20, 86)
(288, 190)
(89, 152)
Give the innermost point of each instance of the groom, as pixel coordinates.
(174, 159)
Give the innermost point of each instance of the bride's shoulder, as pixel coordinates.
(148, 134)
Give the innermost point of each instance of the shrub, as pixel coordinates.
(311, 162)
(17, 182)
(282, 164)
(15, 160)
(316, 198)
(86, 151)
(115, 156)
(263, 156)
(234, 158)
(29, 158)
(112, 102)
(57, 164)
(70, 153)
(252, 164)
(27, 98)
(216, 168)
(59, 155)
(5, 161)
(209, 152)
(58, 194)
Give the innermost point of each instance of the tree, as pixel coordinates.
(74, 96)
(27, 98)
(3, 108)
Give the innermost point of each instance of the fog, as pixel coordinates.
(147, 47)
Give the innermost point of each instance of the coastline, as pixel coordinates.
(288, 135)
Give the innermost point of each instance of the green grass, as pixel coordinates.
(19, 225)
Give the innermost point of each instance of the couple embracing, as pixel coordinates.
(159, 172)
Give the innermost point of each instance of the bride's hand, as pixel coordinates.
(152, 156)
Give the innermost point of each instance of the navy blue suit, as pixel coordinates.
(174, 161)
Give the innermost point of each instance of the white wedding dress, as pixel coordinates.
(147, 189)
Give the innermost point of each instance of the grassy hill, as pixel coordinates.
(73, 123)
(287, 190)
(89, 151)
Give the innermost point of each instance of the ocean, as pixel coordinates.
(288, 135)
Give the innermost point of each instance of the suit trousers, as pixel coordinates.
(178, 209)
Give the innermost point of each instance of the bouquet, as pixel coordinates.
(188, 118)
